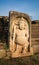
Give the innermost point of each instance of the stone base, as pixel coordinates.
(2, 53)
(35, 48)
(15, 55)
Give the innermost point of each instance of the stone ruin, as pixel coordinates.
(4, 30)
(4, 35)
(19, 34)
(35, 36)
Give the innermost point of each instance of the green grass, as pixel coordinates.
(32, 60)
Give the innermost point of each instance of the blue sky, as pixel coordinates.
(30, 7)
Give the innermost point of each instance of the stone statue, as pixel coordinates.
(20, 36)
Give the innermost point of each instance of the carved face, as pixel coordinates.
(22, 24)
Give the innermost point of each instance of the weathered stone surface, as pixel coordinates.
(2, 53)
(35, 36)
(4, 30)
(35, 48)
(20, 38)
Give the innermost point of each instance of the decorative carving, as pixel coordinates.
(19, 34)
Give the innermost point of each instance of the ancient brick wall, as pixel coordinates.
(35, 35)
(4, 30)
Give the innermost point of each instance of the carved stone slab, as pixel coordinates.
(20, 34)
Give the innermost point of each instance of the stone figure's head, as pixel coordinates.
(22, 23)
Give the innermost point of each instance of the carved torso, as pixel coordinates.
(21, 36)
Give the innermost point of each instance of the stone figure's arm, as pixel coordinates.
(12, 38)
(27, 34)
(14, 34)
(12, 30)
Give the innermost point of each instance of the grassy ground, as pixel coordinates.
(32, 60)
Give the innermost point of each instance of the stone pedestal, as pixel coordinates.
(15, 55)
